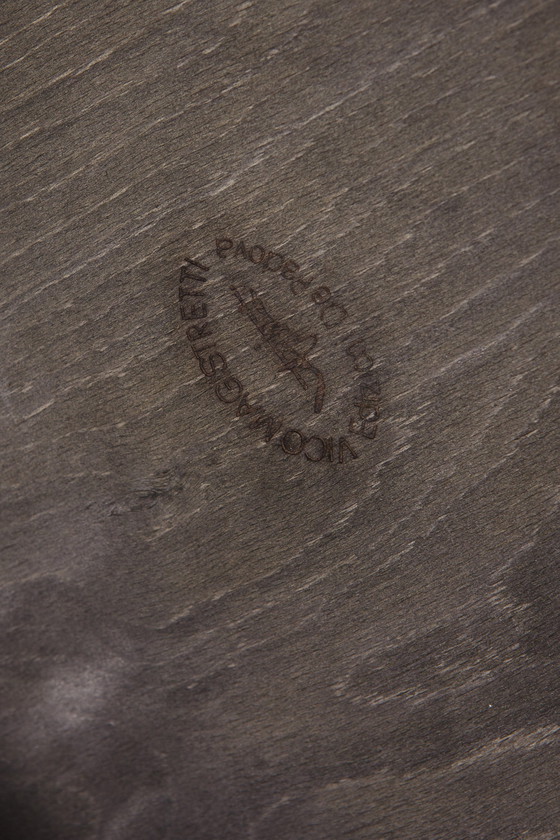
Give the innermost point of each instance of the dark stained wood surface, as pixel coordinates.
(204, 636)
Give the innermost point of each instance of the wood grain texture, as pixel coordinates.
(206, 637)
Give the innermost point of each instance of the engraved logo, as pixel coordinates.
(292, 350)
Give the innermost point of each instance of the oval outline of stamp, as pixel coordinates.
(228, 388)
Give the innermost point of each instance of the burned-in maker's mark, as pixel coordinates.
(290, 346)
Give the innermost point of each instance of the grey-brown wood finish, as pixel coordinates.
(205, 636)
